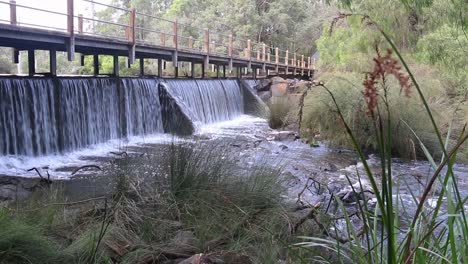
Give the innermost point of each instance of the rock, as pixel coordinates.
(265, 96)
(329, 167)
(264, 85)
(285, 136)
(279, 87)
(12, 187)
(283, 147)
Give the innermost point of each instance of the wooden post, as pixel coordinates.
(263, 51)
(174, 31)
(132, 39)
(15, 56)
(192, 69)
(53, 62)
(207, 50)
(82, 60)
(190, 42)
(176, 71)
(31, 63)
(302, 61)
(217, 71)
(230, 45)
(249, 49)
(160, 68)
(277, 55)
(116, 65)
(203, 70)
(308, 62)
(80, 24)
(163, 39)
(224, 71)
(13, 19)
(268, 56)
(142, 66)
(258, 54)
(286, 59)
(70, 30)
(96, 64)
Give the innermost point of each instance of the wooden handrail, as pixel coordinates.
(245, 50)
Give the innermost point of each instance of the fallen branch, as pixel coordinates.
(84, 167)
(40, 175)
(310, 215)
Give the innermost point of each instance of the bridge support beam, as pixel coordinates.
(217, 71)
(203, 70)
(192, 69)
(224, 71)
(160, 67)
(53, 62)
(96, 64)
(31, 63)
(176, 71)
(116, 65)
(15, 57)
(142, 66)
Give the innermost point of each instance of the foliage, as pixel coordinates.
(433, 236)
(444, 48)
(320, 116)
(21, 242)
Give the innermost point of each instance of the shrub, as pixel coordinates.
(320, 114)
(24, 243)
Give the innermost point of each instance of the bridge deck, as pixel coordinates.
(74, 39)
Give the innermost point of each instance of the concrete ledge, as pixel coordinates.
(177, 118)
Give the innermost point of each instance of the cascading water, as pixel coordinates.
(44, 116)
(142, 107)
(211, 100)
(27, 117)
(89, 112)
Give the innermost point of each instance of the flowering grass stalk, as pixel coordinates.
(432, 236)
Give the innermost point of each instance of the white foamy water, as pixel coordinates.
(244, 125)
(19, 165)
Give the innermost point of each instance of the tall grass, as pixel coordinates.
(433, 235)
(320, 114)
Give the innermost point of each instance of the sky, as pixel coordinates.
(46, 19)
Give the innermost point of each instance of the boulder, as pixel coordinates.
(13, 188)
(279, 87)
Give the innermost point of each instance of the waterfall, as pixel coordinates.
(210, 100)
(27, 117)
(142, 107)
(89, 112)
(46, 116)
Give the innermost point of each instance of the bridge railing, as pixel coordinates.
(145, 29)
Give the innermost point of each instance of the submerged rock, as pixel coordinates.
(12, 188)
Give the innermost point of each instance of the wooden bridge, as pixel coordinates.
(172, 41)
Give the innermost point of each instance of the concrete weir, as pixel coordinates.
(50, 115)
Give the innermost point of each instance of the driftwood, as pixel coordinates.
(309, 215)
(48, 181)
(84, 167)
(123, 153)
